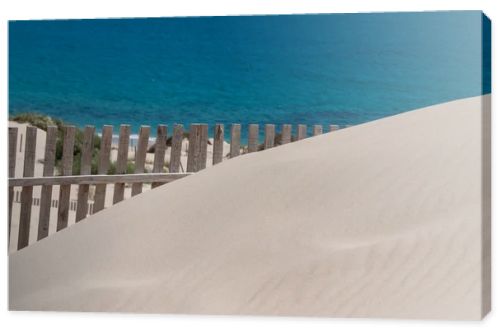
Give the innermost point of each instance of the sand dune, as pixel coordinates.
(377, 220)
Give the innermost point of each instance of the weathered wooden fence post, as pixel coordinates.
(301, 131)
(317, 130)
(253, 138)
(160, 148)
(218, 148)
(202, 162)
(103, 167)
(286, 134)
(269, 136)
(194, 148)
(140, 157)
(235, 140)
(48, 170)
(197, 155)
(121, 162)
(66, 169)
(85, 169)
(12, 170)
(27, 192)
(333, 127)
(175, 149)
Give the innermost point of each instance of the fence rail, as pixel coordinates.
(196, 161)
(95, 179)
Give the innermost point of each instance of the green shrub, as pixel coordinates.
(130, 168)
(43, 121)
(39, 120)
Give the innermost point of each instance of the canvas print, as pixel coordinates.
(333, 165)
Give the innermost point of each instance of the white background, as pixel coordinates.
(20, 322)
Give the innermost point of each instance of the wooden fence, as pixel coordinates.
(196, 161)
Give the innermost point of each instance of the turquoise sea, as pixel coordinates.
(313, 69)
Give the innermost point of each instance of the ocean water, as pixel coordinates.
(313, 69)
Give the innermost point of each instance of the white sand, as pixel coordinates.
(377, 220)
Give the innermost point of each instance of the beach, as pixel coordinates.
(382, 219)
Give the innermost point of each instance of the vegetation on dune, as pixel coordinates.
(38, 120)
(44, 121)
(130, 168)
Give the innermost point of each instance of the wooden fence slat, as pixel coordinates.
(160, 148)
(301, 131)
(317, 130)
(140, 157)
(235, 140)
(194, 151)
(67, 169)
(12, 169)
(27, 192)
(103, 167)
(87, 150)
(121, 162)
(175, 149)
(286, 134)
(334, 127)
(202, 162)
(269, 136)
(12, 151)
(198, 141)
(48, 170)
(95, 179)
(218, 148)
(85, 169)
(253, 138)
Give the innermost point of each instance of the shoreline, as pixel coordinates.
(244, 126)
